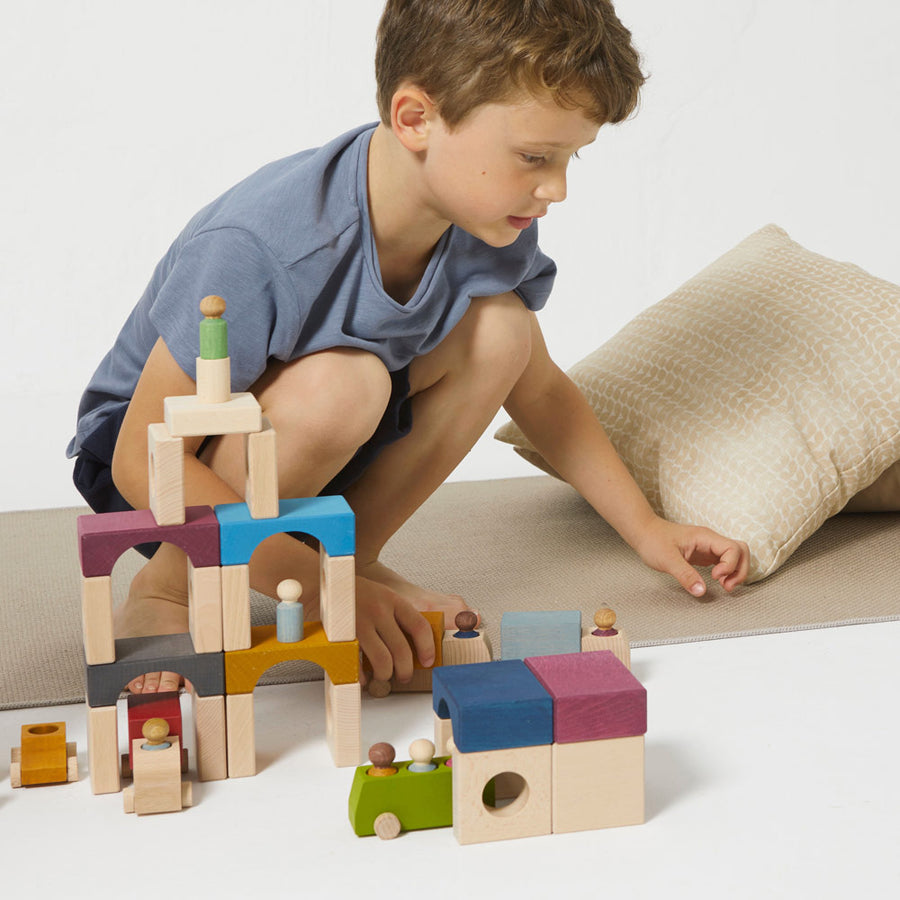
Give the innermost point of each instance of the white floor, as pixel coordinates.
(772, 771)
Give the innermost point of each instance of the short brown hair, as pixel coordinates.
(464, 53)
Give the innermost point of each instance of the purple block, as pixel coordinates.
(103, 538)
(594, 696)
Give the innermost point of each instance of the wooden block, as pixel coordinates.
(104, 537)
(205, 608)
(213, 380)
(240, 734)
(191, 417)
(261, 453)
(443, 732)
(97, 620)
(524, 771)
(616, 643)
(43, 757)
(103, 749)
(236, 607)
(165, 461)
(496, 705)
(210, 740)
(337, 595)
(598, 784)
(157, 777)
(328, 519)
(143, 707)
(342, 722)
(457, 651)
(243, 668)
(539, 633)
(594, 696)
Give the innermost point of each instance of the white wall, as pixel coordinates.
(118, 120)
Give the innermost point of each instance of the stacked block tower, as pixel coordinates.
(222, 656)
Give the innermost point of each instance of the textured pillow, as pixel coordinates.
(758, 398)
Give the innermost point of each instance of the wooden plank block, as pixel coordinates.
(165, 462)
(494, 705)
(103, 749)
(539, 633)
(598, 784)
(97, 620)
(594, 696)
(188, 416)
(261, 453)
(205, 608)
(343, 711)
(337, 595)
(241, 736)
(235, 607)
(210, 739)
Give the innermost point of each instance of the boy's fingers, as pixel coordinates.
(687, 576)
(417, 627)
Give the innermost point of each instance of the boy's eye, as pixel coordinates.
(532, 160)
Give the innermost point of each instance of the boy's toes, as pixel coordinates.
(169, 681)
(136, 685)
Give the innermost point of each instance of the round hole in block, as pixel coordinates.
(505, 794)
(43, 729)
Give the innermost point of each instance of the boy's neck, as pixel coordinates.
(406, 231)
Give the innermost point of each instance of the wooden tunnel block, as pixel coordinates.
(598, 784)
(165, 461)
(240, 735)
(594, 696)
(443, 732)
(104, 537)
(461, 651)
(343, 711)
(213, 380)
(524, 772)
(210, 740)
(243, 668)
(155, 653)
(261, 453)
(539, 633)
(337, 595)
(205, 608)
(328, 519)
(157, 784)
(616, 643)
(191, 417)
(43, 757)
(142, 707)
(103, 749)
(493, 706)
(235, 607)
(97, 620)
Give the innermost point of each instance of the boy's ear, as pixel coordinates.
(412, 115)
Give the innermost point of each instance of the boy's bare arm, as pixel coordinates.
(555, 416)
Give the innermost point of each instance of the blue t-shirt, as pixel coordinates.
(291, 251)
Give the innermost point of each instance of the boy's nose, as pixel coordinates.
(552, 188)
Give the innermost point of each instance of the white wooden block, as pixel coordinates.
(97, 620)
(157, 777)
(343, 710)
(337, 596)
(617, 643)
(205, 608)
(526, 769)
(214, 380)
(261, 452)
(598, 784)
(165, 461)
(459, 651)
(241, 736)
(236, 607)
(103, 749)
(189, 417)
(210, 741)
(443, 732)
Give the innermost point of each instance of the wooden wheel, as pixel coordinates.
(387, 826)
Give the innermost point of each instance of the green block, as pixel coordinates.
(213, 339)
(418, 799)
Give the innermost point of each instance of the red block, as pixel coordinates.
(103, 538)
(594, 696)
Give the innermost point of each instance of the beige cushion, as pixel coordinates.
(758, 398)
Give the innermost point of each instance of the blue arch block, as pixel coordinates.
(328, 519)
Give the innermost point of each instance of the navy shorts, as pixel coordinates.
(93, 465)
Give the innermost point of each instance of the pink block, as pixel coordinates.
(103, 538)
(594, 696)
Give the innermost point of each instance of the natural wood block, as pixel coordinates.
(205, 608)
(165, 462)
(190, 417)
(103, 749)
(460, 651)
(241, 735)
(261, 453)
(524, 771)
(337, 595)
(598, 784)
(97, 620)
(236, 607)
(616, 643)
(213, 380)
(343, 712)
(210, 739)
(157, 777)
(443, 732)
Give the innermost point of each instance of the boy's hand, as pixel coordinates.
(676, 549)
(383, 619)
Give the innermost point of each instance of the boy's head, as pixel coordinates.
(465, 53)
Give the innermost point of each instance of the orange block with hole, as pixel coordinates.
(43, 753)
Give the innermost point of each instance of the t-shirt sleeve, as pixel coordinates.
(536, 285)
(235, 265)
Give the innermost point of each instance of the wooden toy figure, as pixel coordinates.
(607, 637)
(157, 772)
(289, 612)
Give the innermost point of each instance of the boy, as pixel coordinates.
(381, 294)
